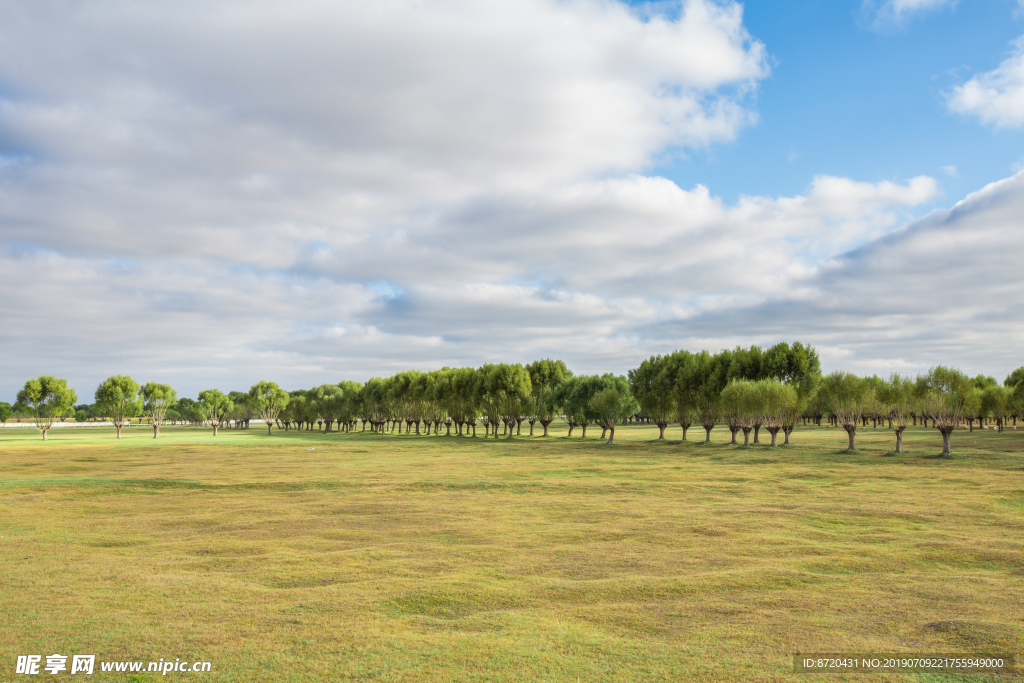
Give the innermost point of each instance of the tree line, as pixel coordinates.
(744, 389)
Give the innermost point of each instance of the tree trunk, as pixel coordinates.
(757, 438)
(531, 427)
(570, 428)
(851, 430)
(611, 435)
(734, 430)
(545, 425)
(584, 432)
(946, 432)
(774, 431)
(44, 433)
(661, 430)
(746, 436)
(270, 429)
(215, 429)
(707, 429)
(899, 440)
(156, 431)
(116, 424)
(684, 431)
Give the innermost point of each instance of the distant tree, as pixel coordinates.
(897, 398)
(118, 398)
(468, 386)
(214, 406)
(652, 387)
(187, 410)
(973, 408)
(80, 415)
(844, 395)
(982, 382)
(243, 410)
(267, 400)
(741, 406)
(157, 399)
(545, 376)
(705, 376)
(942, 393)
(778, 401)
(1015, 383)
(798, 366)
(351, 403)
(613, 404)
(677, 374)
(5, 412)
(325, 403)
(47, 397)
(995, 401)
(574, 400)
(375, 405)
(508, 388)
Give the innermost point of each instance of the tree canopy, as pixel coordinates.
(48, 398)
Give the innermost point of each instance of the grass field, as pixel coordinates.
(443, 559)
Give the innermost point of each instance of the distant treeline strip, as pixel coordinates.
(746, 389)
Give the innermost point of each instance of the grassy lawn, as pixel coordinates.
(405, 558)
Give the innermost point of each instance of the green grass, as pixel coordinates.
(404, 558)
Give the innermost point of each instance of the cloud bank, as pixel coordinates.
(213, 193)
(995, 97)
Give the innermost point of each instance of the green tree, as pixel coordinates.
(545, 376)
(468, 386)
(214, 406)
(613, 403)
(47, 397)
(351, 402)
(5, 412)
(742, 407)
(325, 402)
(571, 410)
(778, 402)
(507, 387)
(844, 394)
(267, 400)
(942, 394)
(157, 399)
(118, 398)
(676, 374)
(80, 415)
(705, 376)
(651, 385)
(896, 396)
(1015, 383)
(973, 408)
(995, 401)
(373, 399)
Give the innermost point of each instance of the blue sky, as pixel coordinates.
(211, 193)
(849, 98)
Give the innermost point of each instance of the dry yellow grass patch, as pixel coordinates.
(431, 559)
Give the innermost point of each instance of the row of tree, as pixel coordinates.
(744, 389)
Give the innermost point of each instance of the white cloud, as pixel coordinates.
(995, 97)
(897, 11)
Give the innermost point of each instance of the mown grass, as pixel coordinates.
(430, 559)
